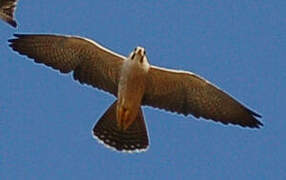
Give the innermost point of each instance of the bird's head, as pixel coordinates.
(138, 56)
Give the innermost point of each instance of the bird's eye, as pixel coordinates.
(144, 53)
(135, 49)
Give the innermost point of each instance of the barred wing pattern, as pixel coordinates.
(186, 93)
(91, 63)
(176, 91)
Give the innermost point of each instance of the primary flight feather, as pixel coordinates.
(134, 82)
(7, 9)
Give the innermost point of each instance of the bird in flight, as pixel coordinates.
(135, 83)
(7, 9)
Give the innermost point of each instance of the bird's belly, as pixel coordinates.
(130, 98)
(130, 92)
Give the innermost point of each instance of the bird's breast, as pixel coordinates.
(131, 85)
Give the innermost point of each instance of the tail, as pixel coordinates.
(134, 138)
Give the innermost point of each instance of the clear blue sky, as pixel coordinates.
(46, 118)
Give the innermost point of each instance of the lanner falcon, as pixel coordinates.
(134, 82)
(7, 9)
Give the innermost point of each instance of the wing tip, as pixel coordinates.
(12, 43)
(15, 38)
(254, 122)
(18, 34)
(251, 122)
(12, 22)
(254, 113)
(258, 124)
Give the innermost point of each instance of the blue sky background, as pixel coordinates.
(46, 118)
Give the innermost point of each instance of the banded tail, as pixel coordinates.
(134, 138)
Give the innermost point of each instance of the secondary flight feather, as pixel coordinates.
(134, 82)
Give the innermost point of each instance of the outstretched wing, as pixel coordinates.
(7, 9)
(187, 93)
(91, 63)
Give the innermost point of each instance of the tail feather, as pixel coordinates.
(134, 138)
